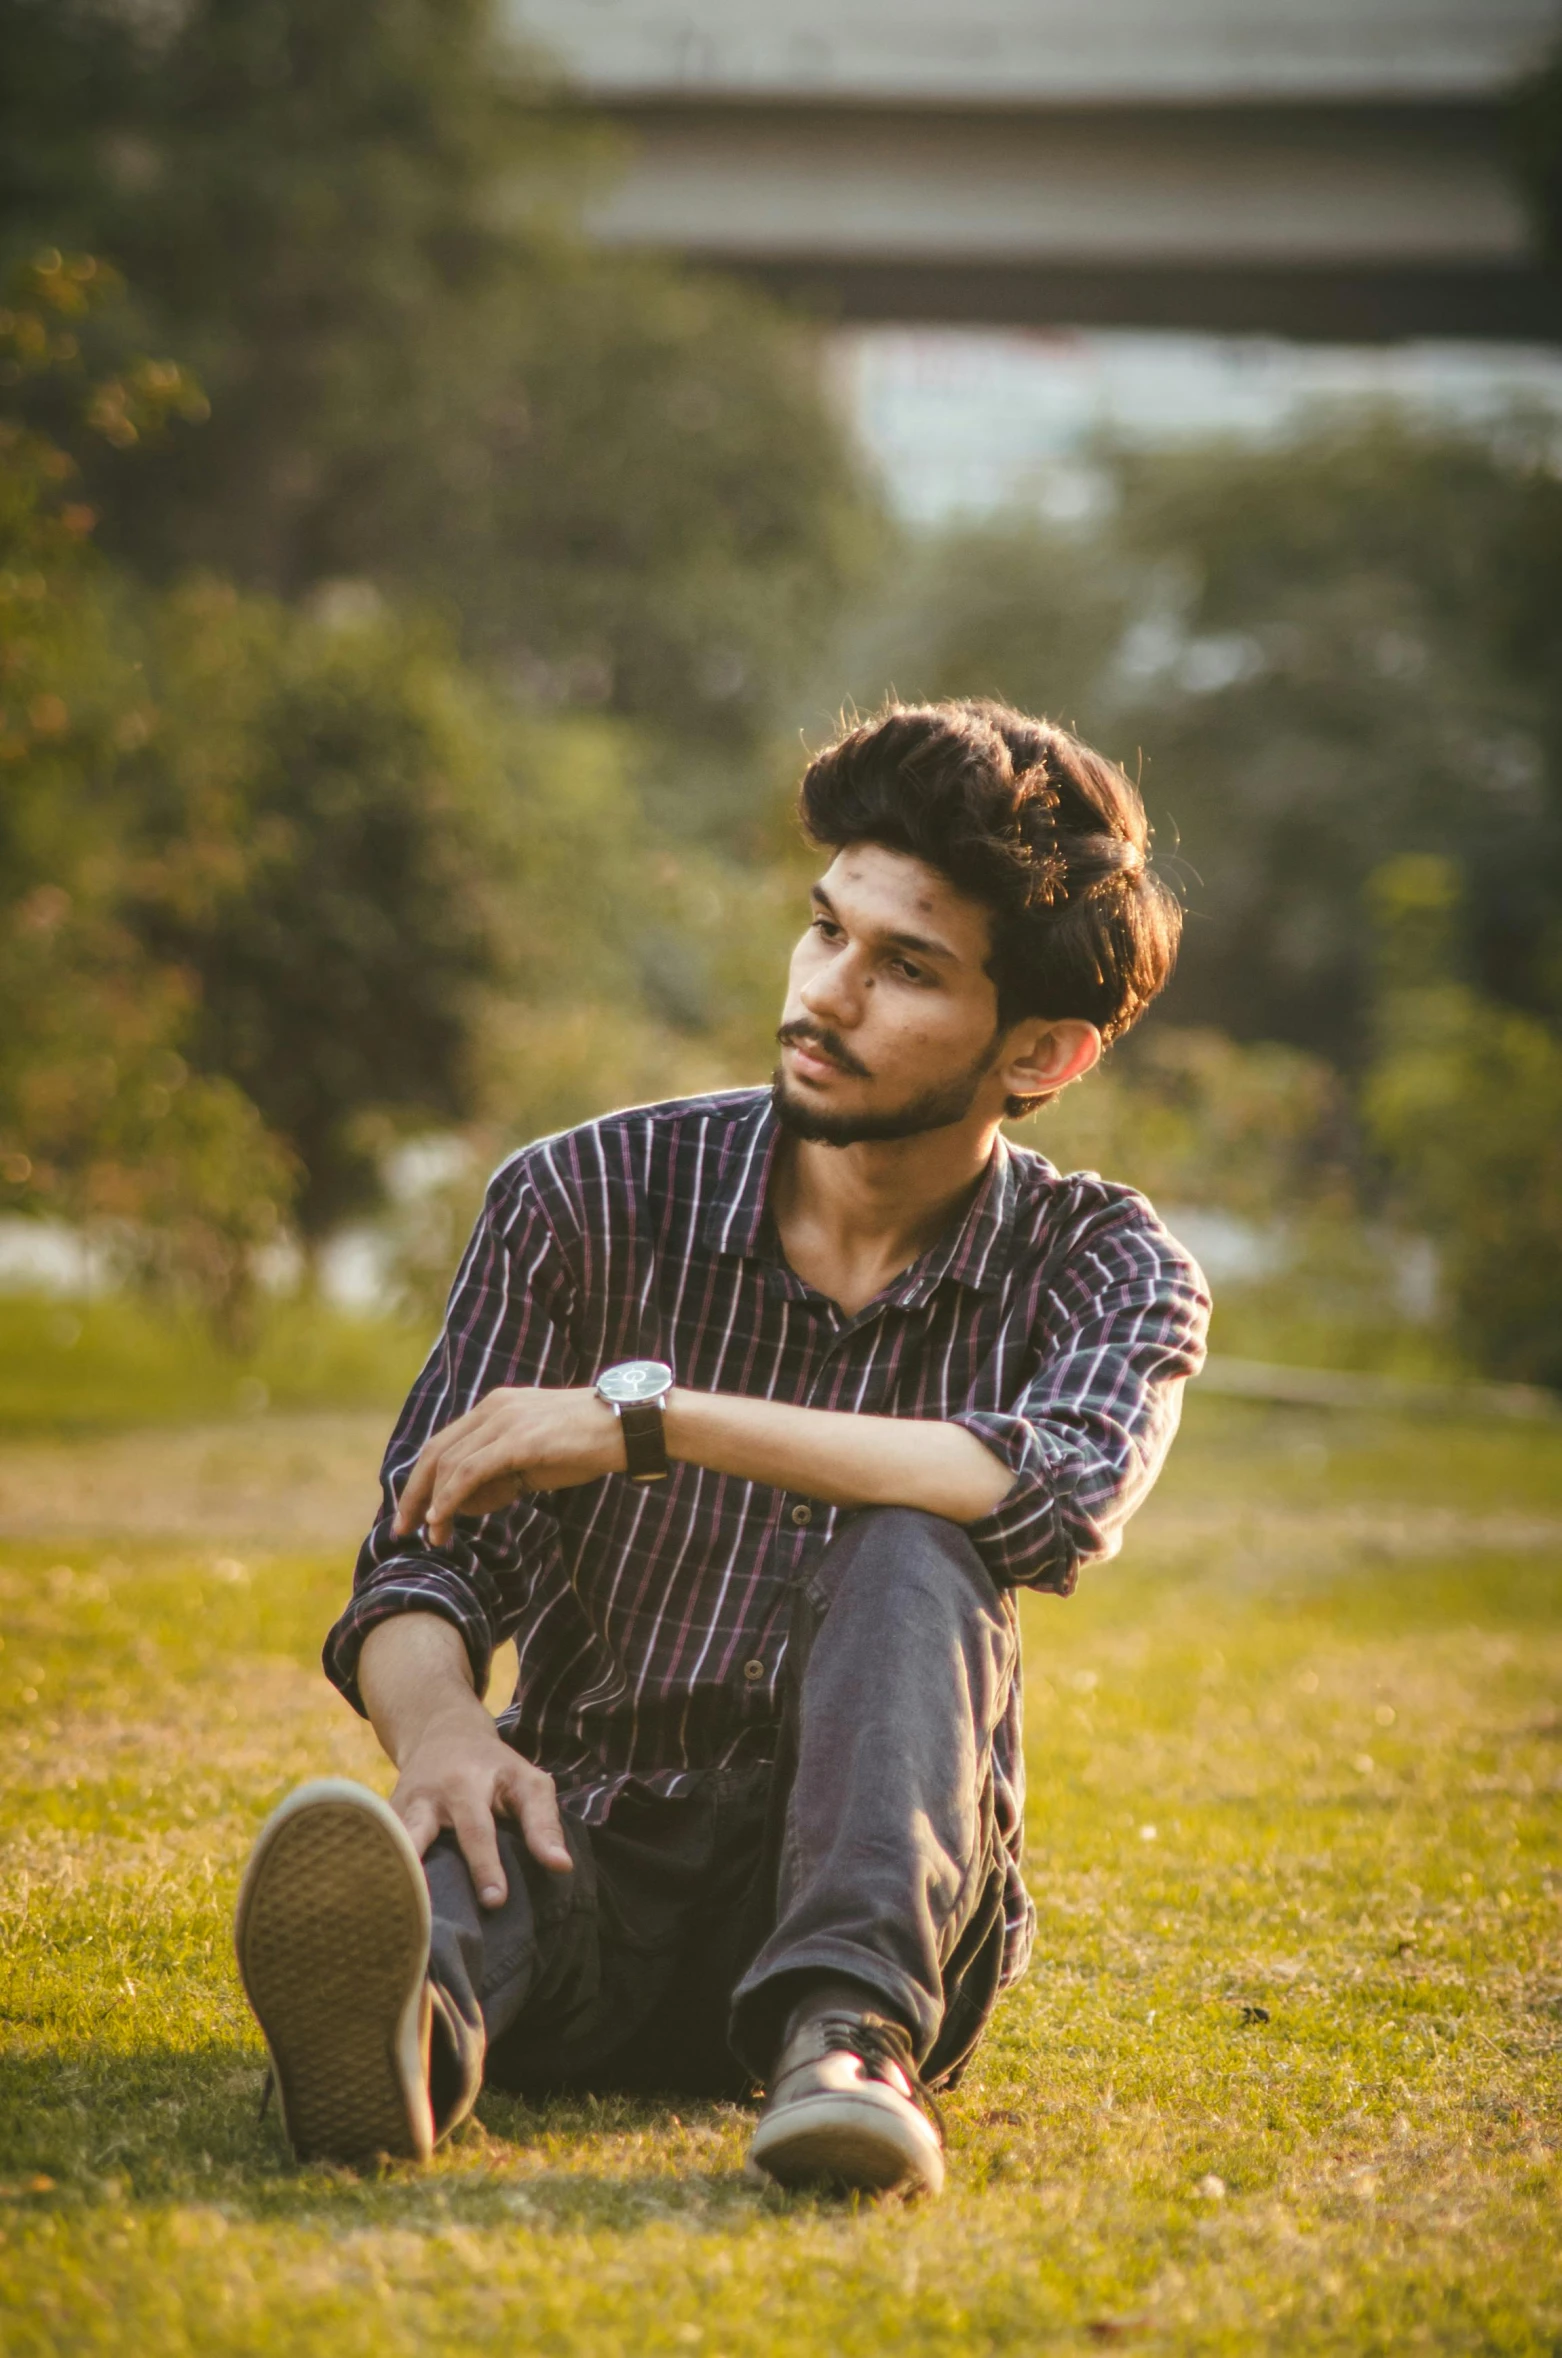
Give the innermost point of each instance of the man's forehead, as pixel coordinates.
(896, 891)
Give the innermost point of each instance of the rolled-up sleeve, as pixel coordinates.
(507, 1322)
(1123, 1326)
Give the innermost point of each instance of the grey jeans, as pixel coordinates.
(671, 1955)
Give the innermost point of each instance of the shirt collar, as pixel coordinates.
(736, 1218)
(972, 1252)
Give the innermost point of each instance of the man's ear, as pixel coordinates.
(1042, 1058)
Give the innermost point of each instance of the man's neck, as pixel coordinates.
(851, 1218)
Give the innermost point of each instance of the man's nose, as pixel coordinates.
(833, 992)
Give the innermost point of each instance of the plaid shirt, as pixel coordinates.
(1055, 1321)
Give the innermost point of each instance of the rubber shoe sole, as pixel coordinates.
(852, 2139)
(332, 1934)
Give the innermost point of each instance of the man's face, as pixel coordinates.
(891, 1023)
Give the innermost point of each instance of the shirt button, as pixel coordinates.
(802, 1515)
(753, 1672)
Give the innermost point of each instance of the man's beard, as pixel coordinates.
(935, 1109)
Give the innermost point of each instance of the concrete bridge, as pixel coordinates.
(1316, 168)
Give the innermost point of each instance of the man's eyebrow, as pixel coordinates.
(925, 945)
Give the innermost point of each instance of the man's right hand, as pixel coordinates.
(455, 1768)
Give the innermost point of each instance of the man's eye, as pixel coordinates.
(827, 926)
(910, 973)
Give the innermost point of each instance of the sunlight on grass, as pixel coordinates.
(105, 1364)
(1284, 2075)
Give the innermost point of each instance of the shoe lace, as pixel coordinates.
(881, 2047)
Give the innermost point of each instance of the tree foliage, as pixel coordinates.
(317, 807)
(101, 1117)
(437, 428)
(1386, 606)
(1317, 654)
(1465, 1102)
(353, 219)
(276, 886)
(1332, 659)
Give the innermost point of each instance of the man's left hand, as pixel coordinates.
(514, 1440)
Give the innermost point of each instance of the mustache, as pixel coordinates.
(829, 1044)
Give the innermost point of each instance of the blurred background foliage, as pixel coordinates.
(1334, 663)
(408, 617)
(616, 480)
(1314, 656)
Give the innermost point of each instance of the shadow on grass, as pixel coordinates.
(93, 2128)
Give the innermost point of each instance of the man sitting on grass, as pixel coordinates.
(750, 1415)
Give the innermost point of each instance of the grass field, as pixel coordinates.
(1283, 2077)
(115, 1363)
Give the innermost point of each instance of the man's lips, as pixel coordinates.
(813, 1062)
(819, 1054)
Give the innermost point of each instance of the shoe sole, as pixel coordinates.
(332, 1935)
(848, 2141)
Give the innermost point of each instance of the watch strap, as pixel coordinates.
(645, 1440)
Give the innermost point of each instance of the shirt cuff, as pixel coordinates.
(410, 1584)
(1023, 1539)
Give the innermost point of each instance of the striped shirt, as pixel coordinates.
(1055, 1319)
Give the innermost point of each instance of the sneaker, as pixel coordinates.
(332, 1936)
(846, 2109)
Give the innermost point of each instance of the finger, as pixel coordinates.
(420, 1818)
(412, 1507)
(502, 1493)
(473, 1472)
(418, 1488)
(533, 1802)
(474, 1831)
(468, 1471)
(493, 1495)
(450, 1487)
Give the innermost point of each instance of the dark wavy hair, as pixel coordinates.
(1018, 814)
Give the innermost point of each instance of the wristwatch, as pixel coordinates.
(636, 1391)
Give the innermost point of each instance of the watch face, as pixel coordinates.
(635, 1379)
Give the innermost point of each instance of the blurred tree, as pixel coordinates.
(352, 216)
(328, 818)
(277, 886)
(101, 1120)
(1010, 606)
(401, 904)
(1255, 1149)
(1465, 1103)
(1331, 649)
(1366, 658)
(1262, 1132)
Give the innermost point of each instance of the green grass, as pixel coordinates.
(1283, 2077)
(113, 1363)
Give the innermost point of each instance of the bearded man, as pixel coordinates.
(751, 1415)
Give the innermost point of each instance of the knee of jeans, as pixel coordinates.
(916, 1551)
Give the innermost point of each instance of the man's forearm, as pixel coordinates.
(456, 1769)
(833, 1454)
(539, 1439)
(412, 1672)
